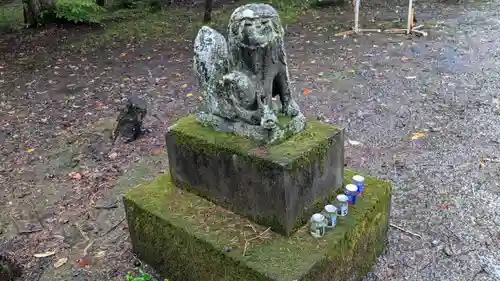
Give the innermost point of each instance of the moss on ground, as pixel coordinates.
(186, 237)
(291, 153)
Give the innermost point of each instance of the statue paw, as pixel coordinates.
(292, 109)
(269, 120)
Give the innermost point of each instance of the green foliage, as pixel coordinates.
(79, 11)
(141, 4)
(11, 17)
(144, 277)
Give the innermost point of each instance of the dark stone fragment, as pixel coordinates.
(129, 121)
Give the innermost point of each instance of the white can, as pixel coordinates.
(330, 213)
(342, 204)
(318, 225)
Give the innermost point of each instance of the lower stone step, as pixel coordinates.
(188, 238)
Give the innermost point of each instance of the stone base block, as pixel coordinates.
(188, 238)
(275, 186)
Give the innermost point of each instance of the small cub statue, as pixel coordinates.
(129, 121)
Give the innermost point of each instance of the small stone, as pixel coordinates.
(448, 251)
(434, 243)
(321, 117)
(227, 249)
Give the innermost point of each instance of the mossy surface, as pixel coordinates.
(183, 236)
(301, 147)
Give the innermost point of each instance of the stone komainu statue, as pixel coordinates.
(241, 77)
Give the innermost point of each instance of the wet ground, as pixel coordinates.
(423, 112)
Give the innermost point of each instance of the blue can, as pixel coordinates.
(359, 181)
(351, 191)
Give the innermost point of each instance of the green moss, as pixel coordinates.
(293, 153)
(183, 235)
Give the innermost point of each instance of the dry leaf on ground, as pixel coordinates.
(75, 175)
(353, 142)
(45, 254)
(156, 151)
(417, 136)
(60, 262)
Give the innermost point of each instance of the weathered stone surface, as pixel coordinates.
(275, 185)
(186, 238)
(240, 78)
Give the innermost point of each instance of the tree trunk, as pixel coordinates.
(101, 2)
(208, 11)
(36, 12)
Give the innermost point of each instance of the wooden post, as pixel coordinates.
(410, 17)
(356, 16)
(208, 11)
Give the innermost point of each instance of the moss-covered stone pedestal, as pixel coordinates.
(276, 186)
(188, 238)
(230, 210)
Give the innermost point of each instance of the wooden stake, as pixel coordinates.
(356, 16)
(410, 17)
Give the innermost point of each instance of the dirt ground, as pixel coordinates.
(422, 112)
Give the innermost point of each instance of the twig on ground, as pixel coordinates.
(86, 249)
(482, 270)
(113, 227)
(406, 231)
(252, 227)
(465, 252)
(82, 232)
(426, 265)
(247, 241)
(452, 232)
(492, 160)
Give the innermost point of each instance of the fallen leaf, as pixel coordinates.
(30, 150)
(353, 142)
(189, 95)
(113, 155)
(417, 136)
(307, 92)
(184, 86)
(83, 262)
(444, 207)
(123, 54)
(497, 101)
(100, 254)
(60, 262)
(157, 151)
(404, 58)
(481, 164)
(45, 254)
(351, 70)
(75, 175)
(200, 98)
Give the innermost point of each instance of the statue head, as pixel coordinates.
(254, 26)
